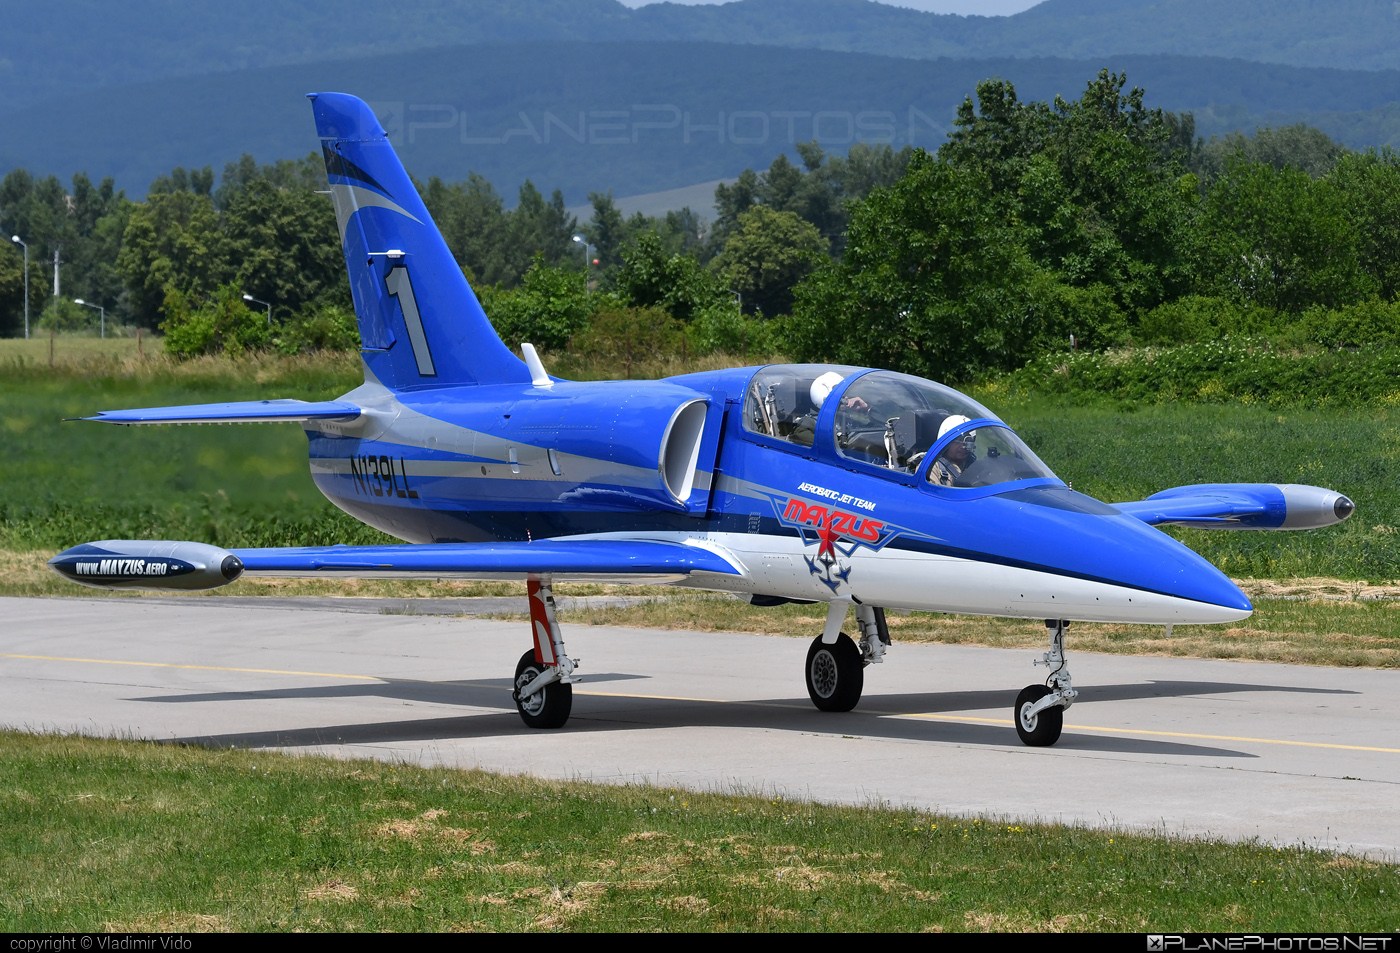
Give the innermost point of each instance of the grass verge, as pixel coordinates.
(112, 835)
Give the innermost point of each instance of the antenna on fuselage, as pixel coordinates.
(538, 376)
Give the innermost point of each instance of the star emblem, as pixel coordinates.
(828, 538)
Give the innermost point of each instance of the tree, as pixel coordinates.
(84, 225)
(472, 218)
(306, 174)
(936, 281)
(283, 245)
(1100, 183)
(539, 227)
(1280, 239)
(676, 283)
(819, 192)
(606, 230)
(768, 253)
(1301, 146)
(174, 240)
(1369, 185)
(550, 306)
(495, 245)
(11, 291)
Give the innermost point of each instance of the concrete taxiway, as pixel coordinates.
(1286, 754)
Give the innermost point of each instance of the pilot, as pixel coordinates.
(804, 430)
(956, 457)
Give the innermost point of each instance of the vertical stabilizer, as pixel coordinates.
(420, 323)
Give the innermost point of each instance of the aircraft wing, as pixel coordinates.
(239, 412)
(1243, 506)
(133, 564)
(610, 557)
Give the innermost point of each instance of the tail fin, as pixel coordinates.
(420, 323)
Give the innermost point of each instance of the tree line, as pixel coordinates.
(1096, 221)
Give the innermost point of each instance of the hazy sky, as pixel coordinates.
(986, 8)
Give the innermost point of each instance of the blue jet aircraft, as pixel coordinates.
(790, 483)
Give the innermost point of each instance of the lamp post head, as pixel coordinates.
(247, 297)
(15, 238)
(577, 238)
(79, 301)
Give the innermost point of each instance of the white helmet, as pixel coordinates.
(823, 386)
(954, 420)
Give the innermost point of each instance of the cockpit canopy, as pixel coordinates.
(890, 421)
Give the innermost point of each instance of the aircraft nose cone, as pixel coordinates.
(1343, 507)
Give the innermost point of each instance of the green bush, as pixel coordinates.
(220, 323)
(64, 315)
(1203, 318)
(550, 306)
(323, 327)
(624, 336)
(1250, 371)
(1370, 323)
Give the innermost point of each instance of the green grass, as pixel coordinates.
(110, 835)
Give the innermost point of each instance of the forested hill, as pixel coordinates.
(66, 45)
(567, 116)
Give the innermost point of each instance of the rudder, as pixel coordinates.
(420, 323)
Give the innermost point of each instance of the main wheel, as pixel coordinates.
(835, 674)
(547, 708)
(1043, 728)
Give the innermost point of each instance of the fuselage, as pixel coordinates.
(820, 515)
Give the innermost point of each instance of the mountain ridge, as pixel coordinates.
(64, 46)
(648, 117)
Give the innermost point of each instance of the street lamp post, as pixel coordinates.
(584, 242)
(102, 311)
(264, 304)
(17, 241)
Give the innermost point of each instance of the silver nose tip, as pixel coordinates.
(1343, 507)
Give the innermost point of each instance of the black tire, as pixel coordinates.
(1044, 728)
(547, 708)
(835, 674)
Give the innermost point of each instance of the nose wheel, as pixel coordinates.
(1042, 728)
(1039, 713)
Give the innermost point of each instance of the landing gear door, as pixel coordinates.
(702, 497)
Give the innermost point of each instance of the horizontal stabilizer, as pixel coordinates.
(1243, 506)
(241, 412)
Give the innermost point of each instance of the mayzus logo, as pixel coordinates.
(122, 567)
(832, 527)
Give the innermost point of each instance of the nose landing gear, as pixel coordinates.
(1040, 709)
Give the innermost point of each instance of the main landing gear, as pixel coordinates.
(544, 693)
(836, 665)
(1040, 709)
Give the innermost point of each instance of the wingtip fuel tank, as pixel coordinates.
(137, 564)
